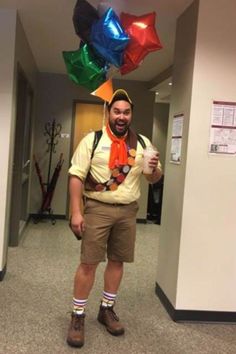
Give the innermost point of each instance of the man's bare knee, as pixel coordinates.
(115, 264)
(88, 269)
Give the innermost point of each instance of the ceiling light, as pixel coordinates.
(170, 83)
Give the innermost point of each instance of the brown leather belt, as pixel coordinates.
(113, 204)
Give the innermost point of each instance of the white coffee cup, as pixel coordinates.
(148, 153)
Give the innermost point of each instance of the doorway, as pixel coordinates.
(21, 160)
(159, 139)
(87, 117)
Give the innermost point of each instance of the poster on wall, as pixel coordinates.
(223, 128)
(176, 138)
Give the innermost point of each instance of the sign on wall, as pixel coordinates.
(223, 128)
(176, 138)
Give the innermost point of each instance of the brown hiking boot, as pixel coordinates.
(110, 320)
(75, 336)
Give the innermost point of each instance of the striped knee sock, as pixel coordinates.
(79, 306)
(108, 299)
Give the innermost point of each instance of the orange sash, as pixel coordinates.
(118, 173)
(118, 153)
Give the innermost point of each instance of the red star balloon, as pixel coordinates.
(143, 39)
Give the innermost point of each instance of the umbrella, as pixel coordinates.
(39, 176)
(47, 198)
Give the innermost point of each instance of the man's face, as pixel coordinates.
(120, 117)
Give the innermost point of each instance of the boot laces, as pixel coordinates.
(112, 313)
(78, 322)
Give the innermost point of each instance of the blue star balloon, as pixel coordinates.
(109, 38)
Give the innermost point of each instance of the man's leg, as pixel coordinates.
(112, 278)
(83, 283)
(84, 280)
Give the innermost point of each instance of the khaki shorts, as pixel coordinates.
(110, 229)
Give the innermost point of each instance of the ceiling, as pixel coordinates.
(49, 29)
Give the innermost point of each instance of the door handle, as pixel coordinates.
(26, 163)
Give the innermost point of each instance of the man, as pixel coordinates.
(110, 184)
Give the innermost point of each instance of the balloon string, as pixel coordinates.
(104, 114)
(113, 71)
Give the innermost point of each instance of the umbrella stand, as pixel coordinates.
(52, 132)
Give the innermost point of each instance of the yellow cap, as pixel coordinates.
(120, 95)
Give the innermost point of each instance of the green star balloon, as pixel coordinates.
(84, 68)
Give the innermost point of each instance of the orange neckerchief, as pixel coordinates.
(118, 154)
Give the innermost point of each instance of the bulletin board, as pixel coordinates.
(223, 128)
(176, 138)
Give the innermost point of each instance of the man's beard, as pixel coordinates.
(120, 132)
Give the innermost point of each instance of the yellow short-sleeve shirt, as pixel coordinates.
(128, 191)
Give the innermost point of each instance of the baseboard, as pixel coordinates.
(47, 216)
(141, 221)
(3, 272)
(193, 316)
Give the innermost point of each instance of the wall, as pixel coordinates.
(7, 44)
(197, 263)
(171, 223)
(207, 268)
(56, 94)
(24, 56)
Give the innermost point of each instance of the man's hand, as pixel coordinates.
(77, 225)
(153, 163)
(157, 173)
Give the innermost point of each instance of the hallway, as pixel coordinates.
(36, 294)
